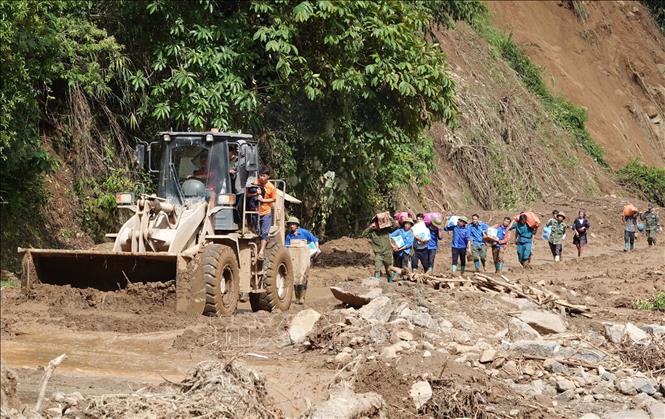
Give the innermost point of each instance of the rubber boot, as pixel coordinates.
(557, 258)
(377, 274)
(453, 268)
(500, 266)
(462, 270)
(391, 277)
(497, 267)
(476, 264)
(626, 246)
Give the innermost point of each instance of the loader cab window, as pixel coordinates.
(194, 170)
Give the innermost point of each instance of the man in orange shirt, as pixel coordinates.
(267, 197)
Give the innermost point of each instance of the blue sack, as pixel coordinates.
(546, 232)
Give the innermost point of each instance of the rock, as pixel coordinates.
(54, 412)
(302, 324)
(563, 384)
(420, 393)
(589, 416)
(588, 356)
(344, 403)
(58, 397)
(519, 330)
(460, 336)
(636, 335)
(344, 357)
(510, 368)
(514, 412)
(656, 409)
(428, 346)
(543, 321)
(626, 386)
(644, 385)
(390, 352)
(422, 320)
(627, 414)
(404, 335)
(445, 324)
(655, 329)
(487, 355)
(566, 395)
(614, 332)
(535, 348)
(554, 366)
(378, 309)
(427, 354)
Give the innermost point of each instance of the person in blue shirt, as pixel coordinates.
(477, 231)
(524, 240)
(402, 254)
(459, 243)
(298, 233)
(499, 246)
(420, 252)
(436, 234)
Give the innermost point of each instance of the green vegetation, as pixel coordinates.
(568, 116)
(8, 283)
(645, 180)
(657, 9)
(657, 303)
(339, 93)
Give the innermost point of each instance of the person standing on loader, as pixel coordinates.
(459, 243)
(267, 198)
(403, 236)
(580, 228)
(436, 234)
(524, 238)
(383, 251)
(557, 233)
(629, 229)
(477, 231)
(651, 225)
(499, 246)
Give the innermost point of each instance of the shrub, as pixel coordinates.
(645, 180)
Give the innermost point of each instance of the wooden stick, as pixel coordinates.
(52, 365)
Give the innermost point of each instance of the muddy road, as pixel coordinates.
(121, 341)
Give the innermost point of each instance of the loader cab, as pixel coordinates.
(196, 166)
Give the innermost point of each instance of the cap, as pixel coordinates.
(292, 220)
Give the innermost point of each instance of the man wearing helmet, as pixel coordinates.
(298, 233)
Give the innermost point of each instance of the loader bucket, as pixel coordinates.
(106, 271)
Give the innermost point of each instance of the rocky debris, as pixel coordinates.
(9, 402)
(420, 393)
(379, 309)
(590, 416)
(404, 335)
(657, 330)
(344, 357)
(355, 300)
(212, 389)
(519, 330)
(627, 414)
(626, 386)
(614, 332)
(302, 325)
(645, 385)
(391, 352)
(554, 366)
(344, 403)
(544, 322)
(563, 384)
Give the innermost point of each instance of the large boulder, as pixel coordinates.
(344, 403)
(378, 309)
(420, 393)
(544, 322)
(519, 330)
(302, 324)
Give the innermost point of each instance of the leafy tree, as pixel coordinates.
(340, 93)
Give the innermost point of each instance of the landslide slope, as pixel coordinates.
(506, 151)
(608, 57)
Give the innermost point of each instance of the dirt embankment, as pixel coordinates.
(612, 62)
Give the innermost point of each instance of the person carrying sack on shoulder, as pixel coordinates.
(524, 238)
(383, 252)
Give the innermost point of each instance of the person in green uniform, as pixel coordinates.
(383, 252)
(651, 225)
(555, 240)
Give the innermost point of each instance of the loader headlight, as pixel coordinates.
(124, 198)
(226, 199)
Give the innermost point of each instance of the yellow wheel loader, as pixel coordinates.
(199, 229)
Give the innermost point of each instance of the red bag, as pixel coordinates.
(532, 219)
(629, 210)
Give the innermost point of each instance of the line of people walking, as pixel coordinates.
(407, 243)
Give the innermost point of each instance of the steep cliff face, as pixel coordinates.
(608, 57)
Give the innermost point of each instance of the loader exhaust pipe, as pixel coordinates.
(105, 271)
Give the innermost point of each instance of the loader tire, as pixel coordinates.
(221, 278)
(277, 280)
